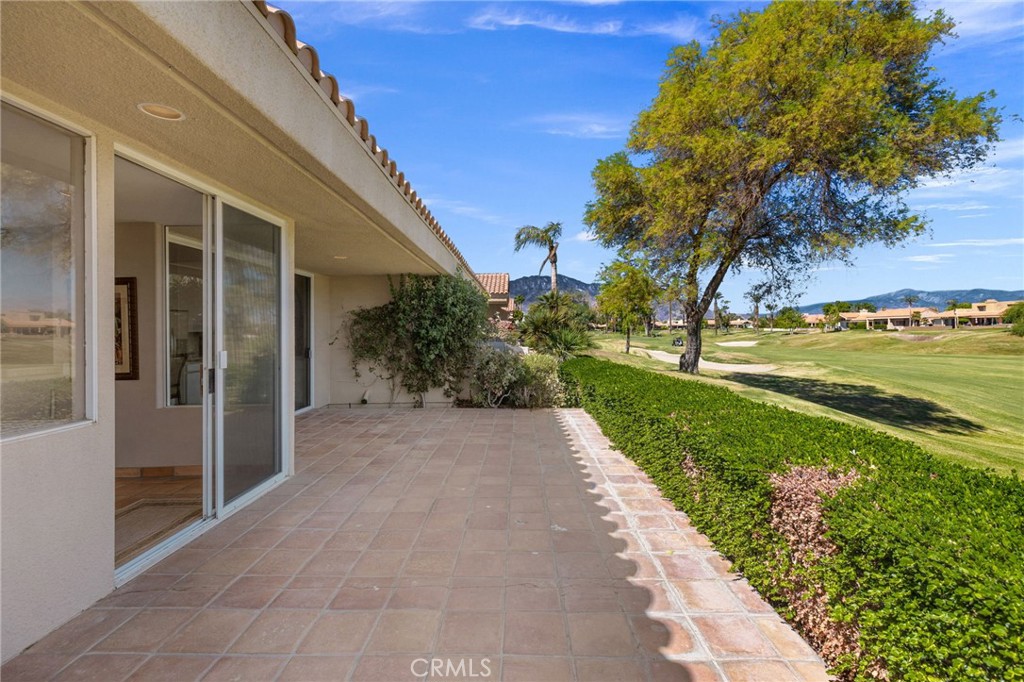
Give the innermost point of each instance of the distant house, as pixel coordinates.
(897, 318)
(985, 314)
(499, 303)
(813, 319)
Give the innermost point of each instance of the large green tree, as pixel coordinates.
(792, 139)
(547, 238)
(626, 295)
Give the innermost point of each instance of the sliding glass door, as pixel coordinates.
(248, 352)
(303, 341)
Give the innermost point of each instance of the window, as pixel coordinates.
(42, 233)
(184, 315)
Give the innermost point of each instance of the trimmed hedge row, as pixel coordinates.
(928, 566)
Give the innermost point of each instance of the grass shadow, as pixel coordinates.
(868, 402)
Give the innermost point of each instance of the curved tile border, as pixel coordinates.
(284, 26)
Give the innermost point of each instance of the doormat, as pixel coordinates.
(146, 522)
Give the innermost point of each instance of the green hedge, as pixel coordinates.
(930, 560)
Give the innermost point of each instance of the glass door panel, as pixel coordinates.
(303, 344)
(249, 360)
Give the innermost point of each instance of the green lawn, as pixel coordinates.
(960, 394)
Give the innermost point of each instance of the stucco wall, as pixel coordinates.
(57, 501)
(348, 294)
(323, 332)
(150, 434)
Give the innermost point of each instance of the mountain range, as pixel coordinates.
(926, 299)
(531, 287)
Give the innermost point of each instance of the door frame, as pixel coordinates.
(215, 513)
(311, 378)
(286, 349)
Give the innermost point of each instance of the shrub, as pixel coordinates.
(502, 376)
(541, 386)
(497, 372)
(425, 337)
(924, 559)
(1018, 328)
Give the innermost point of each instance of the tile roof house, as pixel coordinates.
(500, 304)
(199, 155)
(983, 314)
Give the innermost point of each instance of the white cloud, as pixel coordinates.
(682, 28)
(954, 206)
(929, 258)
(463, 208)
(582, 125)
(356, 91)
(960, 243)
(981, 20)
(493, 18)
(584, 236)
(1000, 175)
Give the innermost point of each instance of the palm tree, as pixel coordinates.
(952, 305)
(910, 300)
(547, 238)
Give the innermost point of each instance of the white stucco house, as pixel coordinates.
(190, 209)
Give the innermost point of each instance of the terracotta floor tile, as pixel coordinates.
(317, 669)
(405, 631)
(662, 635)
(101, 667)
(684, 567)
(471, 632)
(212, 631)
(785, 639)
(707, 595)
(303, 598)
(378, 563)
(388, 668)
(480, 564)
(330, 562)
(418, 596)
(475, 594)
(338, 632)
(535, 633)
(82, 632)
(31, 667)
(476, 535)
(530, 564)
(532, 595)
(601, 634)
(683, 671)
(733, 635)
(280, 562)
(168, 668)
(426, 563)
(276, 631)
(251, 592)
(758, 671)
(394, 539)
(146, 631)
(536, 669)
(609, 669)
(236, 668)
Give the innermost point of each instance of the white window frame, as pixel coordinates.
(89, 276)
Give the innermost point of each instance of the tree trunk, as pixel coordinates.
(688, 361)
(670, 316)
(554, 276)
(627, 339)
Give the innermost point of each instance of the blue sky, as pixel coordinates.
(497, 113)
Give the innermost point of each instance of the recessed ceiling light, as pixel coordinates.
(340, 257)
(161, 111)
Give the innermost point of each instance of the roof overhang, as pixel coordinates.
(256, 122)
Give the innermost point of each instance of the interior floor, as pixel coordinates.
(150, 509)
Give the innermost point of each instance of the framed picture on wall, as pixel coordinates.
(126, 328)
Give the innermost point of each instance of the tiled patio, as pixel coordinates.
(490, 544)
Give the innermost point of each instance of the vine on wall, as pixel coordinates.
(425, 337)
